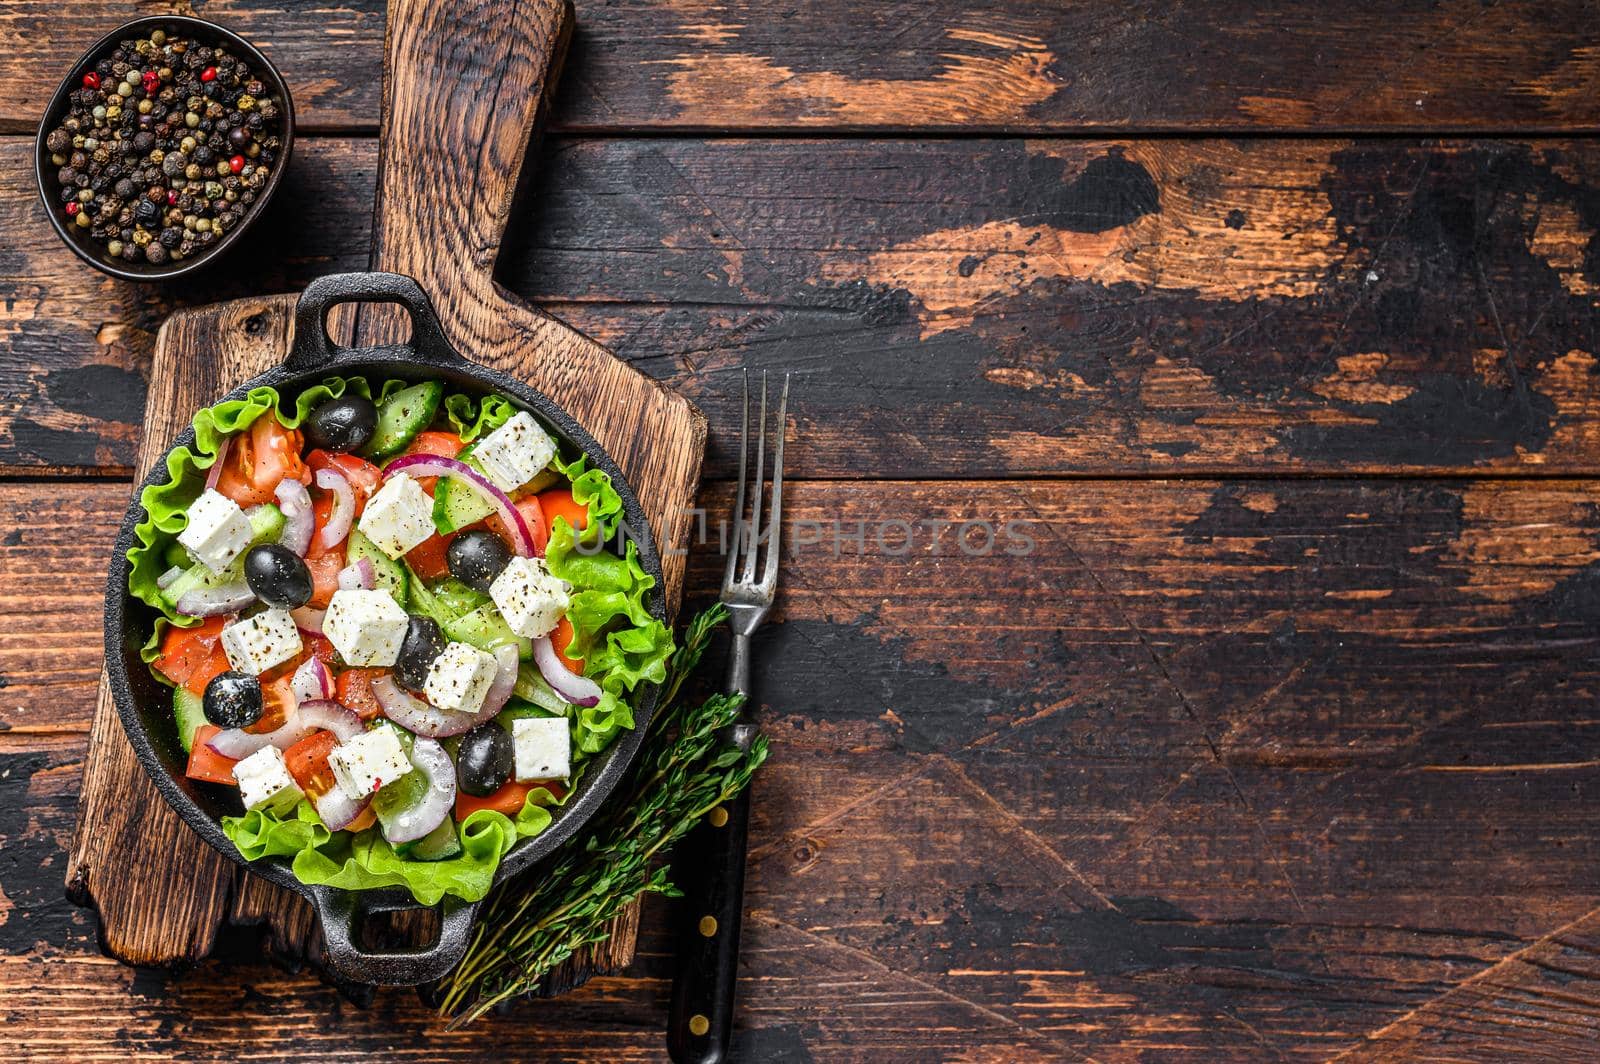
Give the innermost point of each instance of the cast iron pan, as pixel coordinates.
(145, 705)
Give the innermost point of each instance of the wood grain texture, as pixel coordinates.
(1238, 770)
(1015, 307)
(124, 852)
(1266, 65)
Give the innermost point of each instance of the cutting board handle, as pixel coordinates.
(465, 87)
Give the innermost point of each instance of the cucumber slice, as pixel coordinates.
(439, 844)
(420, 600)
(188, 709)
(391, 575)
(532, 687)
(485, 629)
(403, 415)
(455, 506)
(199, 578)
(456, 598)
(266, 523)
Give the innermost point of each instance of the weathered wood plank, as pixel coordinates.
(1234, 769)
(1546, 996)
(974, 306)
(993, 65)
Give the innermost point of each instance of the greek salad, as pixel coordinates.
(393, 620)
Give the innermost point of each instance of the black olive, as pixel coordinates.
(233, 700)
(475, 558)
(342, 424)
(485, 759)
(278, 576)
(423, 643)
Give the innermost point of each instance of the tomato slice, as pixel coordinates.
(427, 558)
(353, 689)
(432, 441)
(307, 761)
(562, 638)
(558, 502)
(183, 650)
(216, 663)
(532, 516)
(259, 458)
(205, 763)
(363, 476)
(507, 800)
(364, 819)
(277, 699)
(324, 577)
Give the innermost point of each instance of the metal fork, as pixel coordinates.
(710, 865)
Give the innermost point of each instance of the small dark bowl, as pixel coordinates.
(146, 707)
(211, 34)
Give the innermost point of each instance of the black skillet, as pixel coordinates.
(145, 706)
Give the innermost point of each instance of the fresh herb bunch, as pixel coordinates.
(686, 769)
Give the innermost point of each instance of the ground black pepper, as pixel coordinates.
(163, 148)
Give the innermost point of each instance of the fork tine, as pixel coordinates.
(752, 542)
(738, 505)
(769, 573)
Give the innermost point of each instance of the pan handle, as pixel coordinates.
(314, 348)
(342, 912)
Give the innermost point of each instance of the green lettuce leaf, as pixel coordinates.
(365, 860)
(471, 419)
(592, 488)
(620, 643)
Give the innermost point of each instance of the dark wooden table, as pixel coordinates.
(1260, 338)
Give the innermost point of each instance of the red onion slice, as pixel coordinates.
(428, 812)
(344, 505)
(211, 601)
(579, 690)
(214, 474)
(165, 580)
(308, 620)
(337, 811)
(312, 681)
(358, 575)
(433, 465)
(322, 714)
(237, 743)
(298, 521)
(505, 679)
(417, 716)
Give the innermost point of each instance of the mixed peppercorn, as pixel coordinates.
(165, 147)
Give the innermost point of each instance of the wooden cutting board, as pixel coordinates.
(465, 88)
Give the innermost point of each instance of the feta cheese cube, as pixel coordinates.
(264, 780)
(542, 747)
(217, 532)
(365, 627)
(459, 678)
(530, 597)
(256, 644)
(398, 517)
(515, 453)
(368, 762)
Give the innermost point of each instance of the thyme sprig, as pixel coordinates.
(531, 924)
